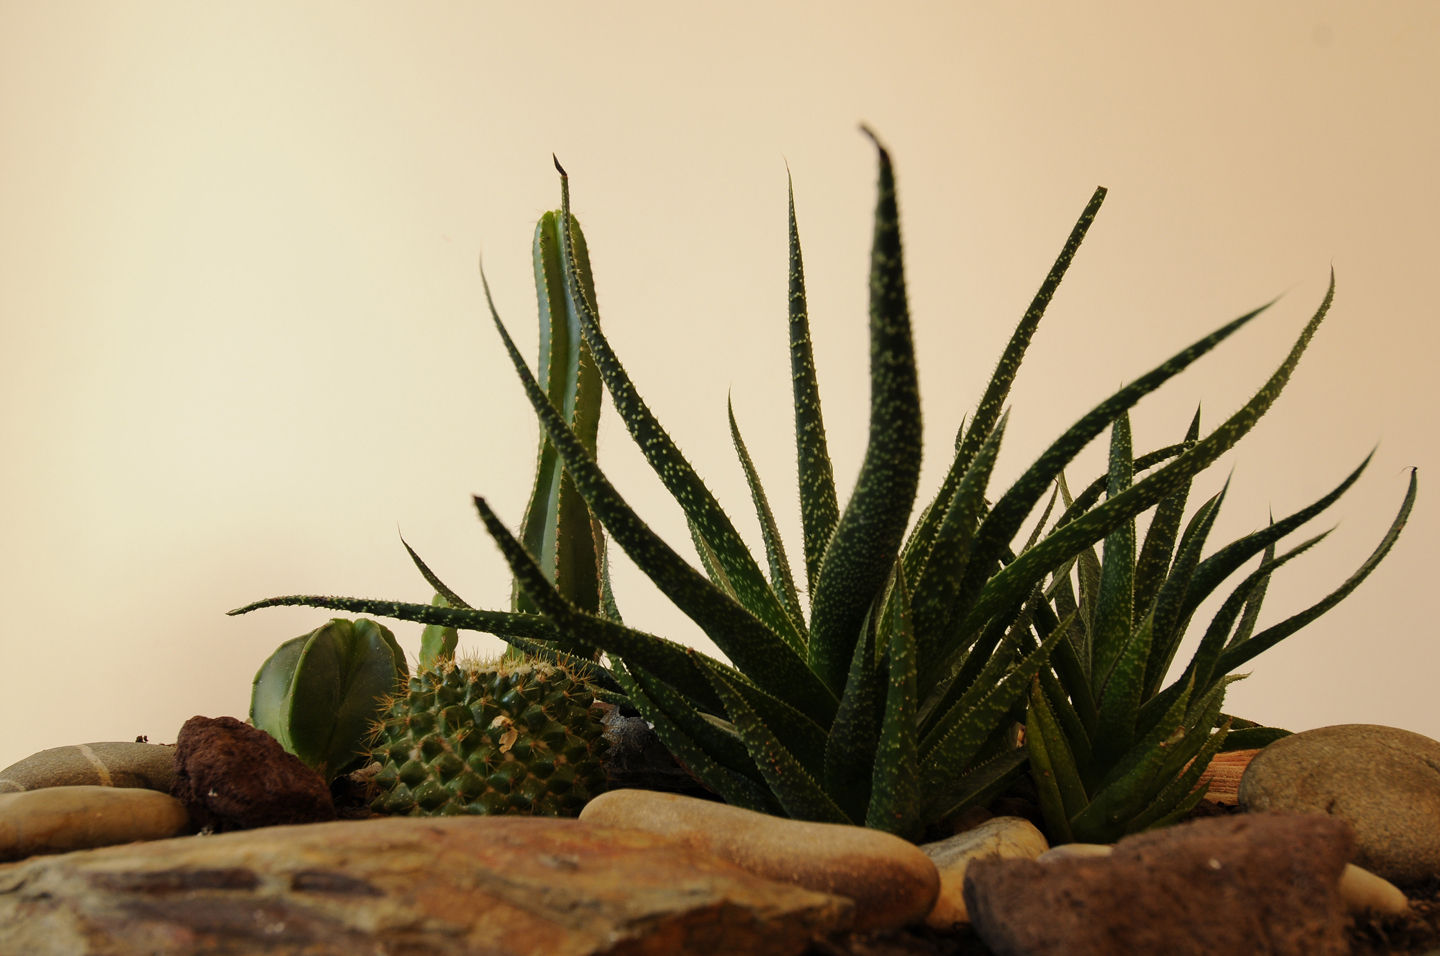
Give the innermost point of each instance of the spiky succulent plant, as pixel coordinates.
(1112, 753)
(513, 736)
(897, 699)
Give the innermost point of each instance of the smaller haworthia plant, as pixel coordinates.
(894, 695)
(1112, 753)
(319, 693)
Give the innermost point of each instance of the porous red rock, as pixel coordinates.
(232, 776)
(1252, 883)
(453, 886)
(890, 880)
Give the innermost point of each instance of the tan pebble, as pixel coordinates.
(890, 880)
(1363, 890)
(101, 764)
(1000, 837)
(60, 819)
(1068, 851)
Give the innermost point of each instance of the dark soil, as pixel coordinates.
(1417, 932)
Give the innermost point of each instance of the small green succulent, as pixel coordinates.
(319, 693)
(894, 696)
(1112, 753)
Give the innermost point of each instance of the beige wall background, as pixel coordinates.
(244, 343)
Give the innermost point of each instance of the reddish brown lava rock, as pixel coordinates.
(232, 776)
(1255, 883)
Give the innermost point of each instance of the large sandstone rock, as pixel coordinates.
(1383, 781)
(501, 886)
(1253, 883)
(891, 882)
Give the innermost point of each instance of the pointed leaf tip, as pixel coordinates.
(558, 168)
(870, 133)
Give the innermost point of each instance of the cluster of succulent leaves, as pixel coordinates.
(1110, 752)
(895, 696)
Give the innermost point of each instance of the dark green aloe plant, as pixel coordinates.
(1112, 753)
(898, 699)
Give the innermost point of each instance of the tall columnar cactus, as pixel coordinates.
(319, 693)
(520, 734)
(898, 699)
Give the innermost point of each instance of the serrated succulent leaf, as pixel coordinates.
(1052, 766)
(1225, 562)
(998, 389)
(1112, 637)
(734, 788)
(781, 580)
(854, 737)
(819, 510)
(958, 738)
(1020, 575)
(797, 791)
(977, 786)
(673, 470)
(746, 640)
(894, 790)
(868, 536)
(1131, 780)
(940, 576)
(1238, 655)
(1159, 546)
(680, 663)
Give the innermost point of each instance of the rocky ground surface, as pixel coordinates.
(649, 872)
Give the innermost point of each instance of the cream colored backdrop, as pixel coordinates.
(244, 342)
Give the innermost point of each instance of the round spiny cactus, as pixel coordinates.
(481, 737)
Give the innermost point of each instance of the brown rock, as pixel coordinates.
(1252, 883)
(890, 880)
(60, 819)
(1383, 781)
(105, 764)
(232, 776)
(500, 886)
